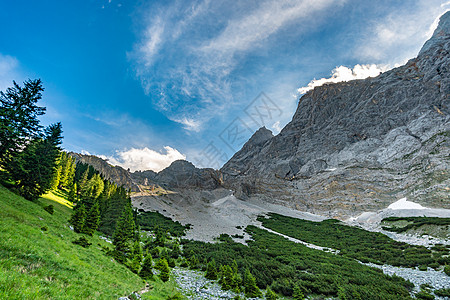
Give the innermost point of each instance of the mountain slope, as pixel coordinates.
(359, 145)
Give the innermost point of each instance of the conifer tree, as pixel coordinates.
(123, 234)
(136, 257)
(34, 168)
(146, 271)
(72, 197)
(19, 118)
(176, 251)
(211, 270)
(270, 295)
(82, 184)
(251, 289)
(164, 270)
(78, 217)
(92, 219)
(298, 294)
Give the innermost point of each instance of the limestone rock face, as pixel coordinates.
(182, 174)
(116, 174)
(360, 145)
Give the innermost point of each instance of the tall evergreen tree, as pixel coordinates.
(33, 169)
(78, 217)
(251, 289)
(298, 294)
(136, 257)
(164, 270)
(92, 219)
(211, 270)
(146, 271)
(19, 118)
(72, 197)
(270, 295)
(123, 234)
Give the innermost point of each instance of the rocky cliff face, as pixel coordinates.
(360, 145)
(180, 174)
(114, 173)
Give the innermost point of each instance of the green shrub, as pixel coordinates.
(82, 241)
(424, 295)
(44, 228)
(447, 270)
(50, 209)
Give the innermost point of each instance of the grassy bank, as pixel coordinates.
(39, 261)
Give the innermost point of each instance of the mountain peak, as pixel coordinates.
(441, 33)
(260, 136)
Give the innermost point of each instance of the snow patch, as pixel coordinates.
(405, 204)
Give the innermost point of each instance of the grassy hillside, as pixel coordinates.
(39, 261)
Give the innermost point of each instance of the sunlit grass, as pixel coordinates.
(58, 196)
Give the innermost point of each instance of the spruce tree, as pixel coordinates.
(146, 271)
(164, 270)
(136, 257)
(298, 294)
(92, 219)
(270, 295)
(211, 270)
(251, 289)
(34, 168)
(78, 218)
(123, 234)
(72, 197)
(19, 121)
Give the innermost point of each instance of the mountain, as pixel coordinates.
(180, 174)
(116, 174)
(359, 145)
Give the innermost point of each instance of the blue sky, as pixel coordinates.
(145, 82)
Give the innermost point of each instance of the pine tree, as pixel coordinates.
(146, 271)
(123, 234)
(34, 168)
(211, 270)
(19, 121)
(298, 294)
(78, 218)
(164, 270)
(226, 279)
(72, 197)
(270, 295)
(92, 219)
(251, 289)
(82, 184)
(136, 257)
(176, 251)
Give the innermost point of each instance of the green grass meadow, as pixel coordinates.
(44, 264)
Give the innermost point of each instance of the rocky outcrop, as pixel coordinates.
(116, 174)
(181, 174)
(360, 145)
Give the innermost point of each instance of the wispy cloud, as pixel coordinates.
(188, 55)
(398, 36)
(8, 71)
(145, 158)
(343, 73)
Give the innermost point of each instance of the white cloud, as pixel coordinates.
(399, 36)
(194, 80)
(343, 73)
(277, 127)
(190, 124)
(145, 158)
(8, 71)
